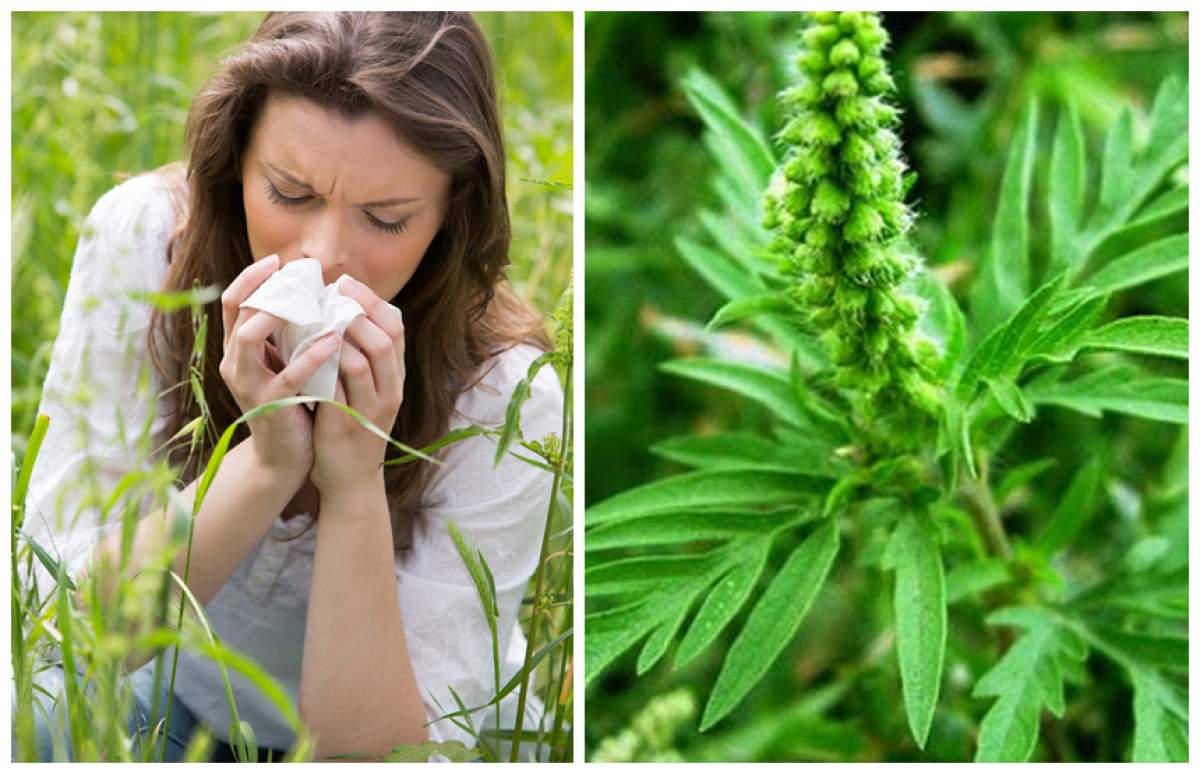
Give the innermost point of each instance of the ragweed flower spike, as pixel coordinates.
(837, 213)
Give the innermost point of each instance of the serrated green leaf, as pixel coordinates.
(769, 389)
(1006, 348)
(751, 306)
(612, 632)
(1160, 734)
(744, 152)
(706, 489)
(747, 451)
(722, 604)
(679, 528)
(1151, 262)
(1011, 398)
(1120, 390)
(1060, 341)
(658, 642)
(1068, 176)
(1028, 677)
(641, 574)
(1148, 335)
(773, 622)
(1005, 280)
(919, 605)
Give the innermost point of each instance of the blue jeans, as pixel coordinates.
(53, 737)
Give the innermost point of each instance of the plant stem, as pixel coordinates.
(540, 577)
(982, 508)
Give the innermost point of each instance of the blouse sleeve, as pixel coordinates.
(501, 511)
(100, 393)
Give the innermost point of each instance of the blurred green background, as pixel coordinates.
(962, 80)
(98, 97)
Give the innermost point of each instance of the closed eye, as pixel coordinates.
(286, 201)
(390, 228)
(295, 201)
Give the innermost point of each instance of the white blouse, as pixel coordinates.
(99, 395)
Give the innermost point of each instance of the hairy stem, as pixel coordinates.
(977, 496)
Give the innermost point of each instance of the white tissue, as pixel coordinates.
(310, 309)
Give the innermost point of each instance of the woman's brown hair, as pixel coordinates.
(430, 76)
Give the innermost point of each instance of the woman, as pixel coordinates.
(370, 142)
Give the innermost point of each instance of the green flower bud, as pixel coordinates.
(837, 211)
(829, 203)
(844, 53)
(850, 20)
(853, 112)
(820, 129)
(858, 152)
(812, 61)
(864, 224)
(820, 236)
(840, 83)
(820, 36)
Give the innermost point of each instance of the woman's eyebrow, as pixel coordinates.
(290, 178)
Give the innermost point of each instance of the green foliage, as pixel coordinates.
(920, 605)
(1029, 676)
(773, 621)
(877, 505)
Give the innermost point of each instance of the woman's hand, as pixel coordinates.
(255, 374)
(370, 381)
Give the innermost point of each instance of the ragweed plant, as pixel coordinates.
(894, 455)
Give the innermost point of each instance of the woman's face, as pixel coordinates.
(347, 192)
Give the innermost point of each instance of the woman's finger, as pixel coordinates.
(250, 340)
(239, 317)
(290, 380)
(381, 352)
(241, 288)
(355, 371)
(378, 311)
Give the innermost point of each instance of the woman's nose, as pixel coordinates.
(324, 239)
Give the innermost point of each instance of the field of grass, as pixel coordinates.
(101, 97)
